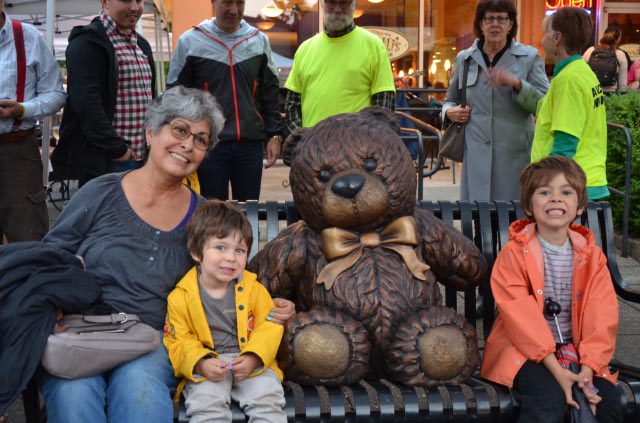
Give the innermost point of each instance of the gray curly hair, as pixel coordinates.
(187, 103)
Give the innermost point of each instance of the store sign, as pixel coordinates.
(555, 4)
(397, 44)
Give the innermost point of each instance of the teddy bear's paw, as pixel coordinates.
(432, 347)
(326, 347)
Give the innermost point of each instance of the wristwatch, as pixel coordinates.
(276, 138)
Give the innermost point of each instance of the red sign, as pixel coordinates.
(555, 4)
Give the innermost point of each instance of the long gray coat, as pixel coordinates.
(500, 130)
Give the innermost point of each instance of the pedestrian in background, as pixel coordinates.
(343, 69)
(110, 82)
(505, 81)
(30, 89)
(572, 120)
(231, 59)
(614, 61)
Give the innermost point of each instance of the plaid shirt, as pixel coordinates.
(134, 87)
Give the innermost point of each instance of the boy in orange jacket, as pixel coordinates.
(550, 260)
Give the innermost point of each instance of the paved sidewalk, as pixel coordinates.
(275, 186)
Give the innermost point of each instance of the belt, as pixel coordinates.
(16, 136)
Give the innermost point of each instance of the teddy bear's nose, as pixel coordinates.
(348, 186)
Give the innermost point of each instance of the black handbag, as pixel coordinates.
(453, 138)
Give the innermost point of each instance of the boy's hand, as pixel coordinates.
(586, 384)
(565, 378)
(245, 364)
(213, 369)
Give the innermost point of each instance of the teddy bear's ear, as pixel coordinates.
(382, 114)
(292, 144)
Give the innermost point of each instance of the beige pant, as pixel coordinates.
(261, 397)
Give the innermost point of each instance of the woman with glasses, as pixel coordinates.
(504, 83)
(130, 230)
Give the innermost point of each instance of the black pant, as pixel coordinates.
(542, 400)
(238, 163)
(23, 206)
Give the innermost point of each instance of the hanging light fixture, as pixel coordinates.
(376, 1)
(447, 64)
(265, 25)
(357, 13)
(271, 10)
(434, 68)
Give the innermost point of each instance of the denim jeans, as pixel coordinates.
(138, 391)
(237, 162)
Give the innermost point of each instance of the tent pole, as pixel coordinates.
(46, 121)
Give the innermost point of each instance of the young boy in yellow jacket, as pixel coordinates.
(547, 260)
(219, 331)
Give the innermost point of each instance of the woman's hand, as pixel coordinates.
(459, 114)
(58, 327)
(500, 77)
(283, 311)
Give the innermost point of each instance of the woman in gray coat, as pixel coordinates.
(505, 81)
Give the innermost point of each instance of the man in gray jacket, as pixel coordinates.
(231, 59)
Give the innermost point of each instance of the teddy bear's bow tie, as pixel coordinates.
(345, 248)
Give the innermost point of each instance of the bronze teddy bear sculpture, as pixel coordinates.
(362, 264)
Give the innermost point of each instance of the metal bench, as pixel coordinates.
(487, 224)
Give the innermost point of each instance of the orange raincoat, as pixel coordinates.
(521, 332)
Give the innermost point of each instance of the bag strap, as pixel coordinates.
(465, 74)
(21, 61)
(115, 318)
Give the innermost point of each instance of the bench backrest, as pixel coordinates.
(485, 223)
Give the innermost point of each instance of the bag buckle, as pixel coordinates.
(122, 318)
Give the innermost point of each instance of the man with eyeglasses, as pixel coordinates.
(343, 69)
(231, 59)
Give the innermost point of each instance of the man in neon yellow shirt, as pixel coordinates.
(571, 118)
(343, 69)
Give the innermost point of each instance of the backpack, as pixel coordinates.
(604, 63)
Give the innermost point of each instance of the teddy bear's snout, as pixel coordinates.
(348, 186)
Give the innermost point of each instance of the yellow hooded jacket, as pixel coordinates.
(188, 338)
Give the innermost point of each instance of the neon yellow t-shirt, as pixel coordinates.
(339, 75)
(575, 104)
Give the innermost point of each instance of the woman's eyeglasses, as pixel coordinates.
(496, 19)
(181, 131)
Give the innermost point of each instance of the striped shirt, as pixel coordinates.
(558, 274)
(134, 87)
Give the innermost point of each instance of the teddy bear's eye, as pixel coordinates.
(370, 165)
(324, 175)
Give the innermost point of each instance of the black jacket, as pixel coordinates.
(35, 279)
(88, 140)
